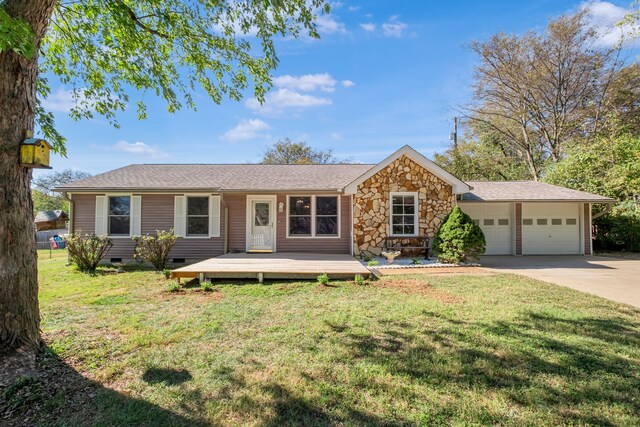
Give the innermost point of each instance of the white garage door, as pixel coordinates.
(550, 228)
(495, 221)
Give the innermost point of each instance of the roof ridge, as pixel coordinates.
(246, 164)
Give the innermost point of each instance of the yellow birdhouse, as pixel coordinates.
(34, 153)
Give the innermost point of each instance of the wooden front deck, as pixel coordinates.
(279, 265)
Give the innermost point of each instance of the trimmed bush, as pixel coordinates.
(155, 249)
(459, 238)
(87, 250)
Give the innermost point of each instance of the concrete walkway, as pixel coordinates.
(612, 278)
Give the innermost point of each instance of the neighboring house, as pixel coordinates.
(51, 220)
(339, 208)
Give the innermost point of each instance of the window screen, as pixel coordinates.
(556, 221)
(326, 216)
(119, 216)
(197, 216)
(488, 222)
(527, 221)
(503, 222)
(541, 221)
(300, 215)
(571, 221)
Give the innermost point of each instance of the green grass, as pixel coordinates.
(468, 351)
(50, 254)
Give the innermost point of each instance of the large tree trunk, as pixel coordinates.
(19, 314)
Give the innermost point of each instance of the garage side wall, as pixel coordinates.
(371, 220)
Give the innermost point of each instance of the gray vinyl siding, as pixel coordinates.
(333, 245)
(237, 206)
(156, 214)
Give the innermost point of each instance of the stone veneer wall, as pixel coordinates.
(371, 222)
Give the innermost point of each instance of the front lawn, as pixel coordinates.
(491, 349)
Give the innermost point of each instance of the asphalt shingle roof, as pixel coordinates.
(222, 177)
(257, 177)
(494, 191)
(45, 216)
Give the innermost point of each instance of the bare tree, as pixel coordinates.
(540, 91)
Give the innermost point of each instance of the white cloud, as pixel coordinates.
(393, 27)
(326, 24)
(246, 129)
(336, 4)
(140, 148)
(297, 92)
(604, 17)
(285, 98)
(62, 101)
(336, 136)
(353, 8)
(307, 82)
(368, 26)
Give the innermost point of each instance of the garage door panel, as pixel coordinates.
(495, 221)
(550, 228)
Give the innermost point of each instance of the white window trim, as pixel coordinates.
(416, 213)
(106, 215)
(185, 219)
(313, 217)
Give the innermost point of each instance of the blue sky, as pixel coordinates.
(384, 74)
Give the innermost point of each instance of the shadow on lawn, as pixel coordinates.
(540, 361)
(59, 395)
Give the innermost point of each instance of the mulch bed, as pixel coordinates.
(436, 271)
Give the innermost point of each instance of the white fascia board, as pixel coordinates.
(458, 186)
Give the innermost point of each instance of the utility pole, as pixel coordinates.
(455, 132)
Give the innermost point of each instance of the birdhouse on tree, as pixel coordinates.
(34, 153)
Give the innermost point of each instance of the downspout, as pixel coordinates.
(604, 212)
(226, 224)
(67, 197)
(351, 222)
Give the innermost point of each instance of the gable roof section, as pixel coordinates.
(221, 177)
(459, 187)
(46, 216)
(527, 191)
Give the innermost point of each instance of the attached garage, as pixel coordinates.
(495, 220)
(551, 228)
(531, 218)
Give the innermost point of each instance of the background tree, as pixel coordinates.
(286, 152)
(482, 155)
(540, 91)
(105, 50)
(44, 198)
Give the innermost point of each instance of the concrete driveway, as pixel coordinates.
(612, 278)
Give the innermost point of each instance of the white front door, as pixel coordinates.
(261, 224)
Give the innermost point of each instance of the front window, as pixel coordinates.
(197, 216)
(326, 216)
(119, 215)
(404, 214)
(300, 216)
(313, 216)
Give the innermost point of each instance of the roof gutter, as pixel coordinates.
(196, 190)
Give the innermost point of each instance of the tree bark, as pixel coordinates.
(19, 313)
